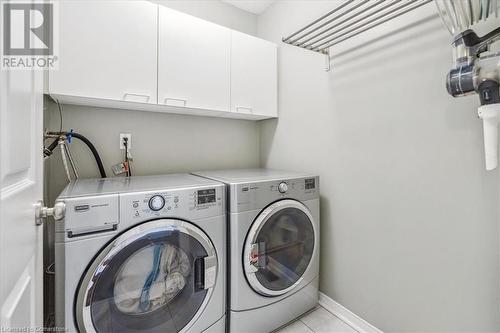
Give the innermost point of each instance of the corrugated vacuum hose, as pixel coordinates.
(476, 61)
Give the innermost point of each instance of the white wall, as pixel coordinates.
(161, 143)
(409, 215)
(217, 12)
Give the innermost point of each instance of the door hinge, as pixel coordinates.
(42, 212)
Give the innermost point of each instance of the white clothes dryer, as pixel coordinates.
(273, 230)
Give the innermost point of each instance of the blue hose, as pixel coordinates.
(144, 303)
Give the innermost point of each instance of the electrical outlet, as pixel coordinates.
(129, 137)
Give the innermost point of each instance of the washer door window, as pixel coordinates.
(155, 277)
(279, 248)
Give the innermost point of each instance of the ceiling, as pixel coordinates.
(252, 6)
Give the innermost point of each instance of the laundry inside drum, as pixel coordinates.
(151, 278)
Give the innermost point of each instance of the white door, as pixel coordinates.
(21, 132)
(193, 62)
(107, 50)
(254, 76)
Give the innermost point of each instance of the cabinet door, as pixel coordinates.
(254, 76)
(193, 62)
(108, 50)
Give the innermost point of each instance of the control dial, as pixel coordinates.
(156, 202)
(283, 187)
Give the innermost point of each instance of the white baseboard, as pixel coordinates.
(350, 318)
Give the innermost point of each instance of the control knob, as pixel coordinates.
(283, 187)
(156, 203)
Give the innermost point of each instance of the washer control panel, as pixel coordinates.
(208, 201)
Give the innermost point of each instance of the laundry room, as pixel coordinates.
(249, 166)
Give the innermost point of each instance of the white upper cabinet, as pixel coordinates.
(108, 50)
(137, 55)
(254, 76)
(193, 62)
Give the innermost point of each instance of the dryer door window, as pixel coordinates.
(155, 277)
(279, 248)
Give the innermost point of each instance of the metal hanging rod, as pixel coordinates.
(320, 19)
(349, 19)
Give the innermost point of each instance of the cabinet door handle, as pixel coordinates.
(242, 108)
(136, 95)
(176, 101)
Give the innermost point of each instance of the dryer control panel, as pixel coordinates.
(256, 195)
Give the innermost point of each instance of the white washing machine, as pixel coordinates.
(273, 230)
(141, 254)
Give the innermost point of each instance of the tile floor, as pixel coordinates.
(318, 320)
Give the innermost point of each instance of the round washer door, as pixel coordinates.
(157, 276)
(279, 248)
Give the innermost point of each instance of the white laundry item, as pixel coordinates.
(174, 268)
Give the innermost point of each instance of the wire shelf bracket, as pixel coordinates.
(349, 19)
